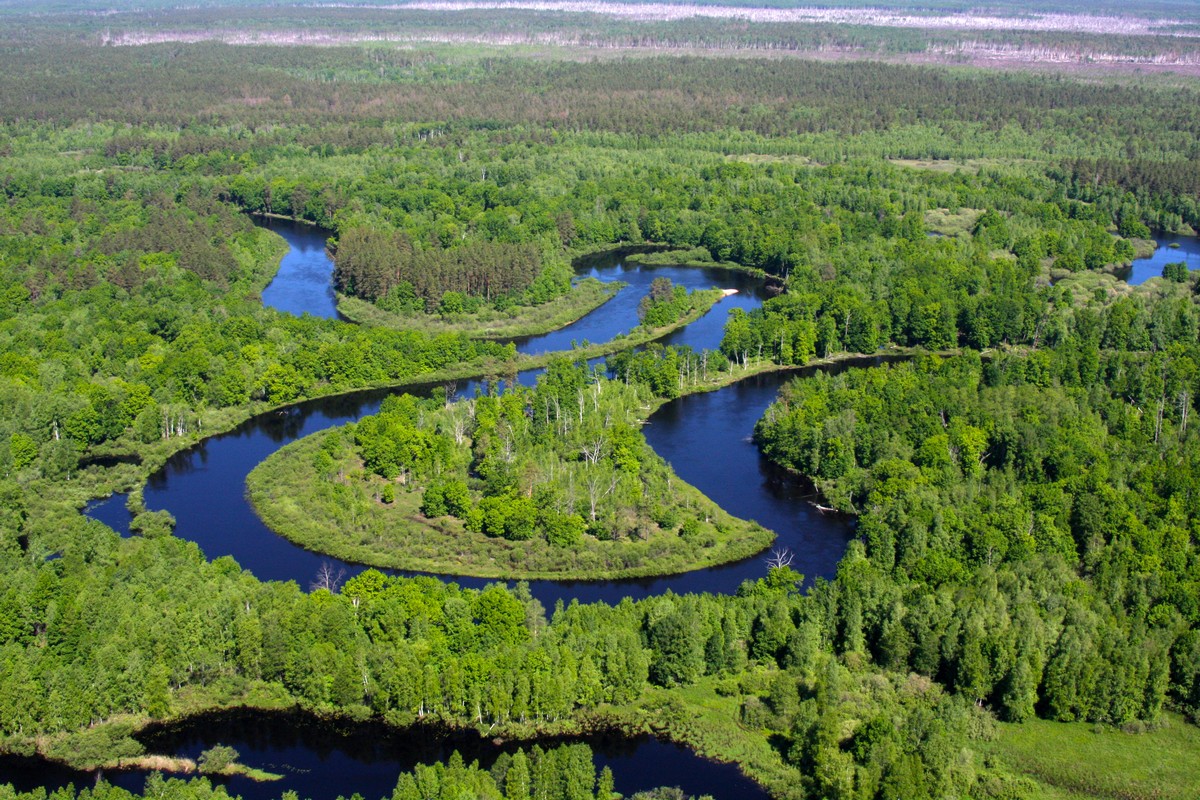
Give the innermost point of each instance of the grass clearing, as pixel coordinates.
(972, 165)
(768, 158)
(1076, 759)
(951, 223)
(694, 257)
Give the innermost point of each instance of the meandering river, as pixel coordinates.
(204, 487)
(705, 437)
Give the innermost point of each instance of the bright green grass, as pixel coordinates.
(1078, 760)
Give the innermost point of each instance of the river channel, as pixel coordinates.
(705, 437)
(320, 760)
(204, 487)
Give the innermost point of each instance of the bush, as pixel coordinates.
(563, 530)
(433, 502)
(153, 523)
(1177, 272)
(217, 759)
(447, 497)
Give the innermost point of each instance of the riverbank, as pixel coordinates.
(337, 512)
(140, 460)
(519, 321)
(309, 510)
(383, 744)
(697, 257)
(243, 712)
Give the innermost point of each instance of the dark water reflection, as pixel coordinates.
(706, 438)
(323, 760)
(112, 512)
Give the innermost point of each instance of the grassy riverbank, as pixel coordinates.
(337, 511)
(698, 257)
(149, 457)
(316, 513)
(583, 298)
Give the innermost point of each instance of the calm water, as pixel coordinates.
(321, 760)
(112, 512)
(204, 487)
(304, 283)
(619, 315)
(1187, 251)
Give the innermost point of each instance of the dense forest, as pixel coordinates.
(967, 475)
(1025, 548)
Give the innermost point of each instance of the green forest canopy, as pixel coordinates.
(1027, 536)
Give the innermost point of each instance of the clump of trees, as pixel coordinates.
(557, 462)
(664, 304)
(384, 267)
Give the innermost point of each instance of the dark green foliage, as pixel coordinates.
(1177, 272)
(975, 484)
(372, 265)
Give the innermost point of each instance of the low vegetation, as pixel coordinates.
(555, 481)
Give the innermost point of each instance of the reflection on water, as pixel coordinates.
(1171, 249)
(304, 282)
(326, 759)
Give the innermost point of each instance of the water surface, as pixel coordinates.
(304, 282)
(323, 760)
(1187, 251)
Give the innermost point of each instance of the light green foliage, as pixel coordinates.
(664, 304)
(1027, 528)
(217, 759)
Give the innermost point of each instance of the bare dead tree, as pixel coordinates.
(592, 448)
(328, 578)
(780, 557)
(599, 486)
(458, 426)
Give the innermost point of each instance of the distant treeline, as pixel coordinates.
(212, 83)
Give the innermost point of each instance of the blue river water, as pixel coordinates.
(1171, 249)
